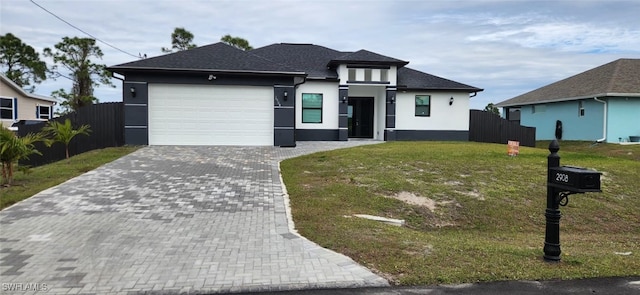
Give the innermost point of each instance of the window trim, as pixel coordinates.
(13, 108)
(39, 112)
(428, 105)
(312, 108)
(580, 109)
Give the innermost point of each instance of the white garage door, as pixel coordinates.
(210, 115)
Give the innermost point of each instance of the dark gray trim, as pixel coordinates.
(284, 115)
(369, 82)
(382, 67)
(343, 134)
(446, 135)
(316, 134)
(136, 136)
(343, 97)
(390, 108)
(203, 79)
(389, 135)
(136, 112)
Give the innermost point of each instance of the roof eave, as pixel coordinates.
(122, 70)
(19, 89)
(469, 90)
(601, 95)
(333, 63)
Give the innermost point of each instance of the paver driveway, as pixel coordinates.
(170, 219)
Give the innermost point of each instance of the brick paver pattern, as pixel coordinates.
(171, 219)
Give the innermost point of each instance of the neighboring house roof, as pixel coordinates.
(218, 57)
(617, 78)
(19, 89)
(366, 57)
(316, 62)
(411, 79)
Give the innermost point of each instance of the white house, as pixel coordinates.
(17, 104)
(283, 93)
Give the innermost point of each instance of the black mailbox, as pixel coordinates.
(575, 179)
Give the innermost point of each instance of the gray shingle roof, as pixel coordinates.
(215, 57)
(299, 59)
(364, 56)
(309, 58)
(617, 78)
(411, 79)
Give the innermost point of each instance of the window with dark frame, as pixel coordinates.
(6, 108)
(44, 112)
(312, 108)
(423, 105)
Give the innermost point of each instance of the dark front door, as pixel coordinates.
(360, 114)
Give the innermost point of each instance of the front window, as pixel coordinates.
(7, 108)
(312, 108)
(367, 75)
(384, 75)
(352, 74)
(423, 105)
(43, 112)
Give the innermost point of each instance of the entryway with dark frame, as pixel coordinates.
(360, 117)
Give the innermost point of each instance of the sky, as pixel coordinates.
(506, 48)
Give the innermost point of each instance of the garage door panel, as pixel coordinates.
(210, 115)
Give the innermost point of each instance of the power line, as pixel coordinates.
(92, 36)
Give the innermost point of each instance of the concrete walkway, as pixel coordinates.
(170, 220)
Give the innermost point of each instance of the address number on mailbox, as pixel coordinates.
(575, 179)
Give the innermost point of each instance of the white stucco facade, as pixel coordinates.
(442, 116)
(329, 91)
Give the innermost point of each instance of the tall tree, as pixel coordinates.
(492, 108)
(236, 42)
(74, 54)
(181, 39)
(21, 63)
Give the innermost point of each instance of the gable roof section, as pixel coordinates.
(617, 78)
(19, 89)
(366, 57)
(410, 79)
(309, 58)
(218, 57)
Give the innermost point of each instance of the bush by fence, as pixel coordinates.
(488, 127)
(106, 121)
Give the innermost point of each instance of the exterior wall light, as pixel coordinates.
(133, 91)
(344, 99)
(286, 95)
(211, 77)
(392, 99)
(451, 100)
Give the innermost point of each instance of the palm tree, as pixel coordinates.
(14, 149)
(63, 132)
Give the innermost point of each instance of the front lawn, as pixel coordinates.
(472, 213)
(43, 177)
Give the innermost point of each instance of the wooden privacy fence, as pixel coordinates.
(488, 127)
(106, 121)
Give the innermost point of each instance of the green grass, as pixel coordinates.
(43, 177)
(489, 221)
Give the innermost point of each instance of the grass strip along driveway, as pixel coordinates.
(46, 176)
(472, 213)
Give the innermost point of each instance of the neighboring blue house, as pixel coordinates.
(601, 104)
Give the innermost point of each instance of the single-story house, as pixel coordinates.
(17, 104)
(601, 104)
(283, 93)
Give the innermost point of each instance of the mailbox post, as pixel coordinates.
(562, 182)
